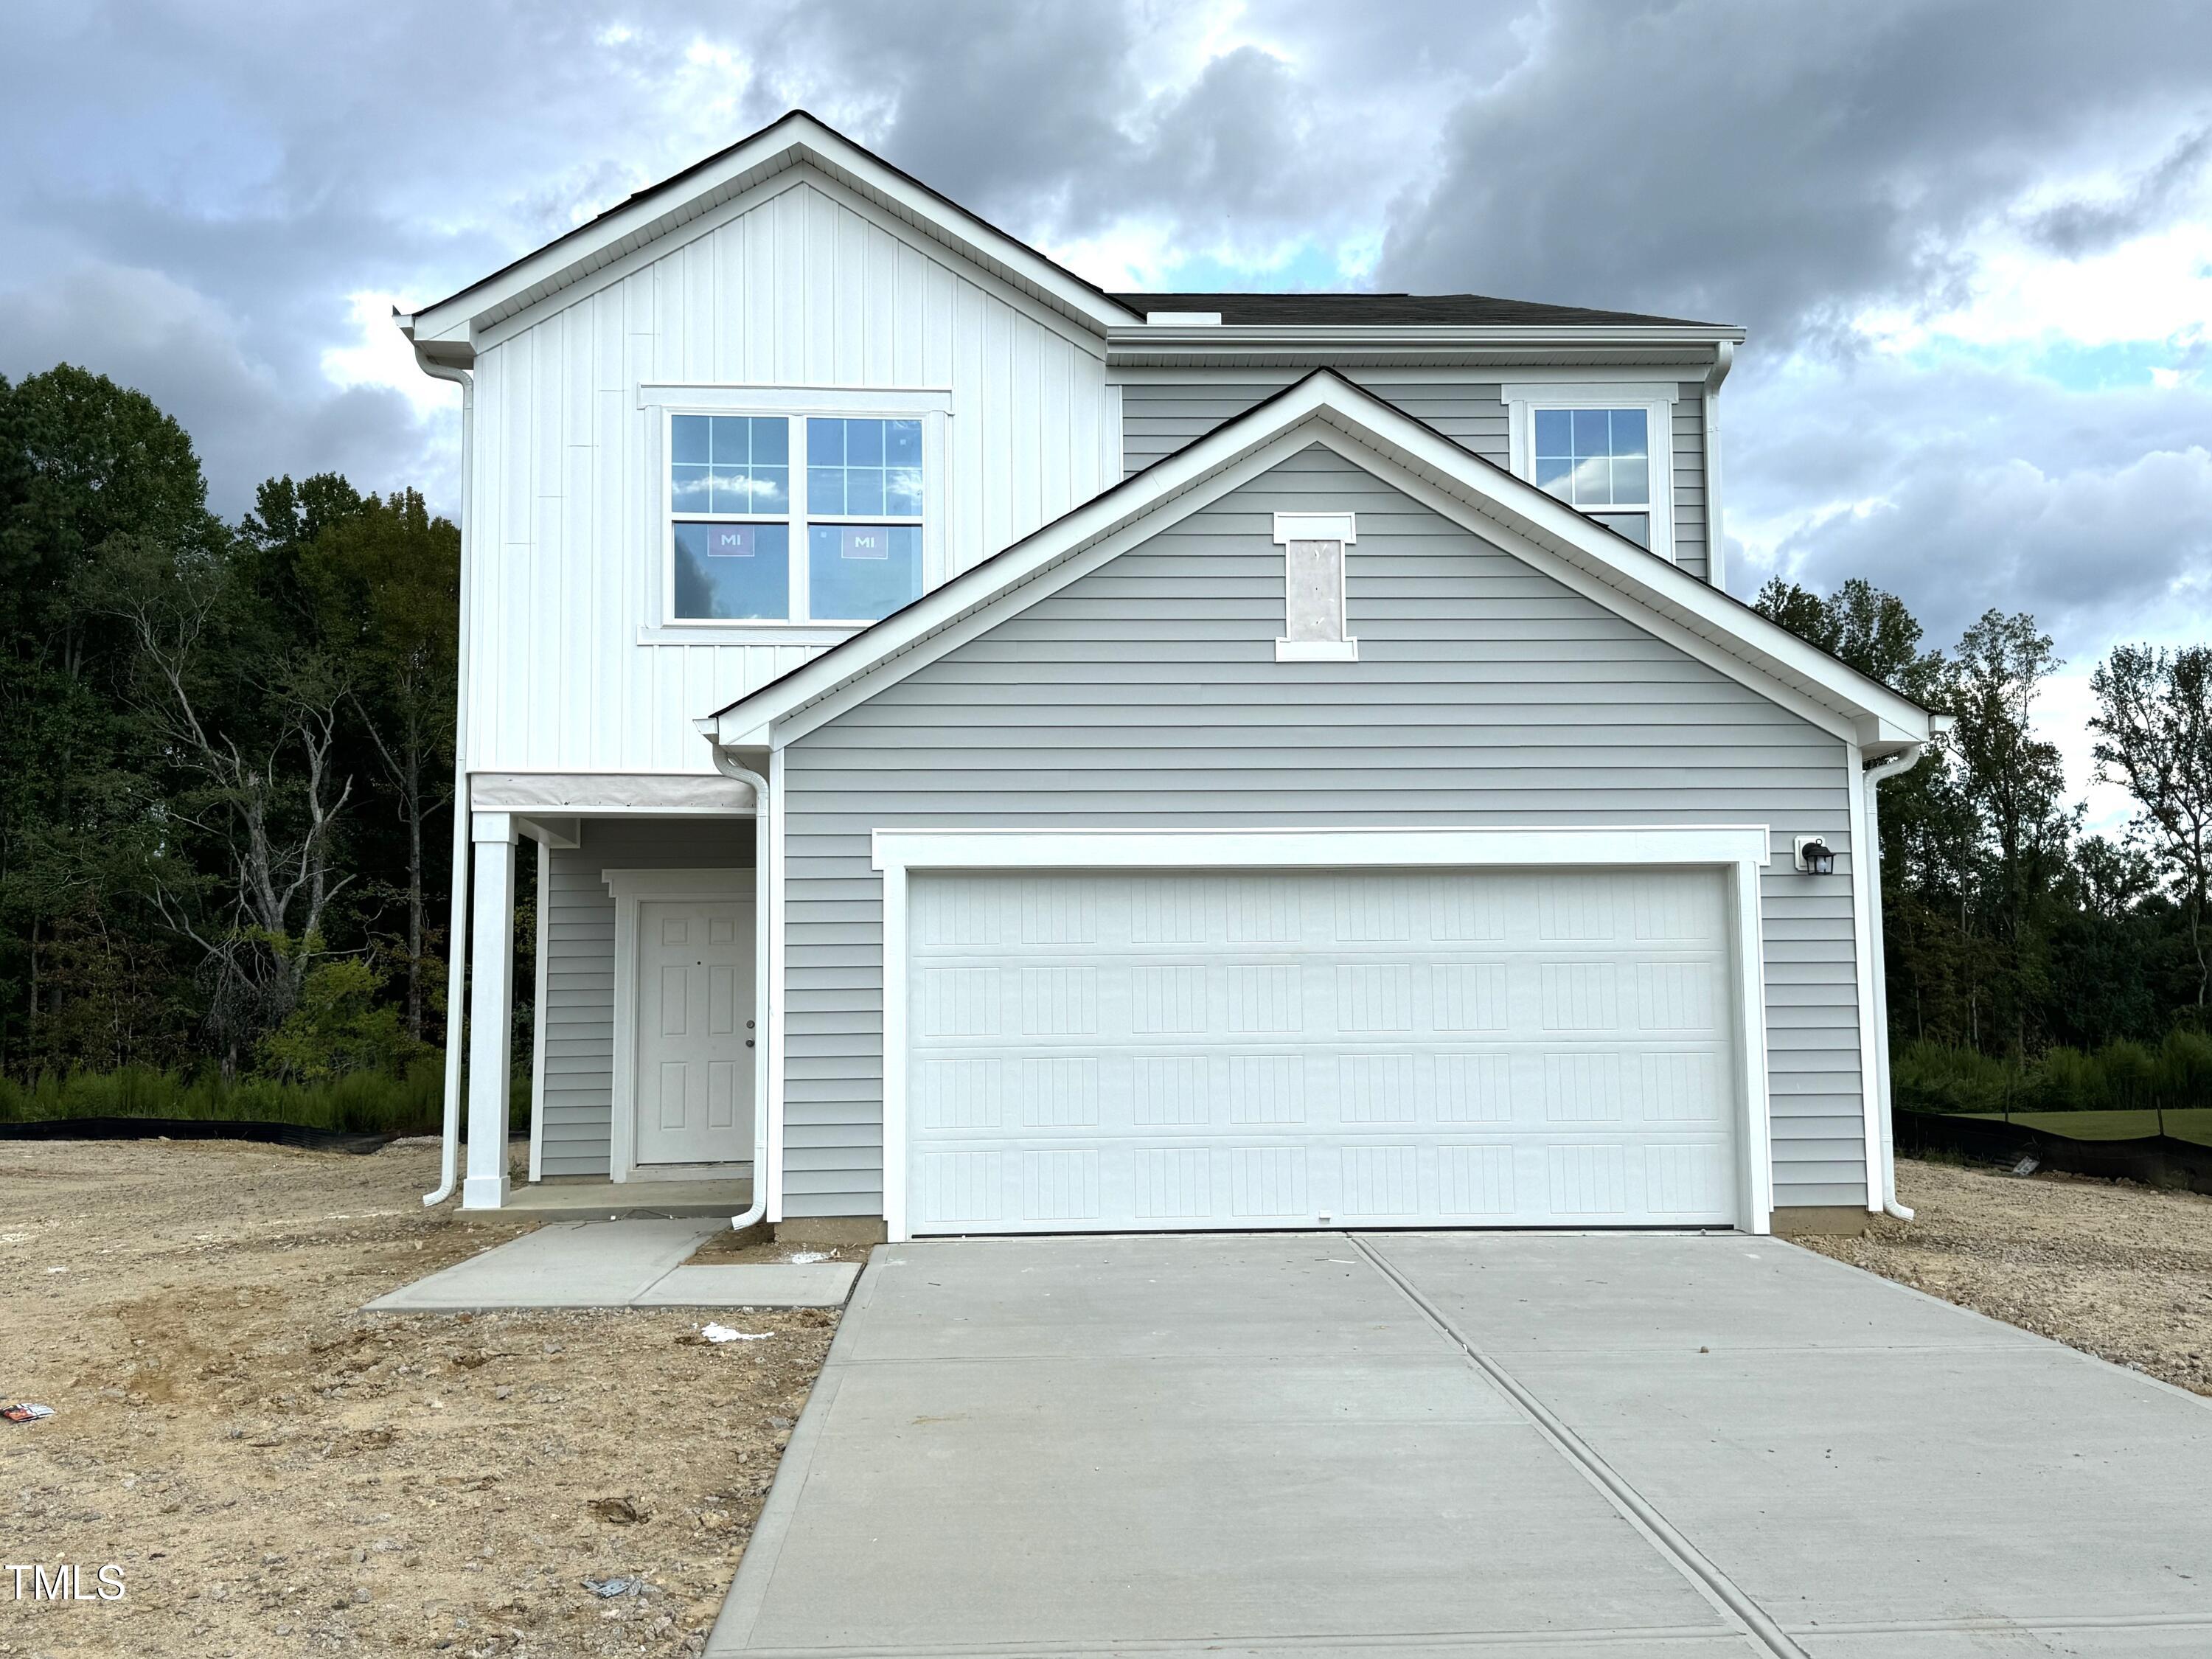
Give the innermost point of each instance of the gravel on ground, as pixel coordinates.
(273, 1472)
(2116, 1270)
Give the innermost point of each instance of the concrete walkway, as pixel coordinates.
(1514, 1446)
(618, 1264)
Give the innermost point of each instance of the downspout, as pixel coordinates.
(457, 931)
(1902, 761)
(765, 1142)
(1716, 556)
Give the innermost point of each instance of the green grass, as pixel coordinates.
(2183, 1123)
(367, 1103)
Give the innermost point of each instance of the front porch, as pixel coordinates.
(575, 1198)
(646, 1060)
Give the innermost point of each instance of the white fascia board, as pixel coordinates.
(1474, 492)
(1201, 336)
(1578, 578)
(1659, 584)
(1130, 503)
(1351, 846)
(999, 605)
(795, 138)
(1537, 349)
(503, 323)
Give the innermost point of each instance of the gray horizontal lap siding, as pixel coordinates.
(580, 967)
(1689, 481)
(1147, 695)
(1159, 416)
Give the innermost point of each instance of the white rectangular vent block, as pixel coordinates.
(1314, 626)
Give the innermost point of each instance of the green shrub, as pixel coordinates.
(1935, 1077)
(2130, 1076)
(360, 1102)
(339, 1028)
(2070, 1081)
(2184, 1068)
(2176, 1076)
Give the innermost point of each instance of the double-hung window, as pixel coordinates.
(1604, 447)
(1598, 460)
(794, 517)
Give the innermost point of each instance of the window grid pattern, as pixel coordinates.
(863, 468)
(729, 463)
(1595, 457)
(1598, 460)
(745, 546)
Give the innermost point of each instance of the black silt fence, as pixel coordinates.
(2155, 1160)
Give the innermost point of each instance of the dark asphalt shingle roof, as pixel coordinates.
(1386, 310)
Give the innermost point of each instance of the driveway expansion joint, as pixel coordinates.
(1685, 1557)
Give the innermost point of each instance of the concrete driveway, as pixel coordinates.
(1420, 1444)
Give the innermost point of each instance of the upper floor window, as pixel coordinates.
(1598, 460)
(794, 517)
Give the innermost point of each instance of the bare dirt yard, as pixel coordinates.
(2116, 1270)
(276, 1474)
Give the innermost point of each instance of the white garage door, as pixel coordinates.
(1319, 1048)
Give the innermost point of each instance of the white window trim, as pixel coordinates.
(662, 401)
(1657, 399)
(1342, 528)
(629, 887)
(1740, 851)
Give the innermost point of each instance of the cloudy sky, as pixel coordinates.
(1972, 241)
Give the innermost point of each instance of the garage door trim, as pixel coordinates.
(1740, 851)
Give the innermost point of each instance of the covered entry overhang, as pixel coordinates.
(647, 1062)
(1411, 1027)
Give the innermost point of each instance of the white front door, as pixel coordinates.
(1453, 1048)
(694, 1031)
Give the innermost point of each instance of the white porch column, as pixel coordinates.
(491, 1009)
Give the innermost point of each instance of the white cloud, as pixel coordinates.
(2061, 717)
(2154, 288)
(381, 355)
(1128, 253)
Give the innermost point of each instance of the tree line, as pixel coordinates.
(226, 751)
(226, 756)
(2009, 932)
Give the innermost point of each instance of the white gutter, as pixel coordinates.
(456, 934)
(1716, 545)
(767, 1142)
(1873, 774)
(1201, 336)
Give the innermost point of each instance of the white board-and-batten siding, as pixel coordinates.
(802, 285)
(1146, 694)
(578, 931)
(1161, 413)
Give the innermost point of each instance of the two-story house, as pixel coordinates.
(1013, 756)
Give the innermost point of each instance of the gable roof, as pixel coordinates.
(1395, 310)
(790, 141)
(1483, 497)
(449, 328)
